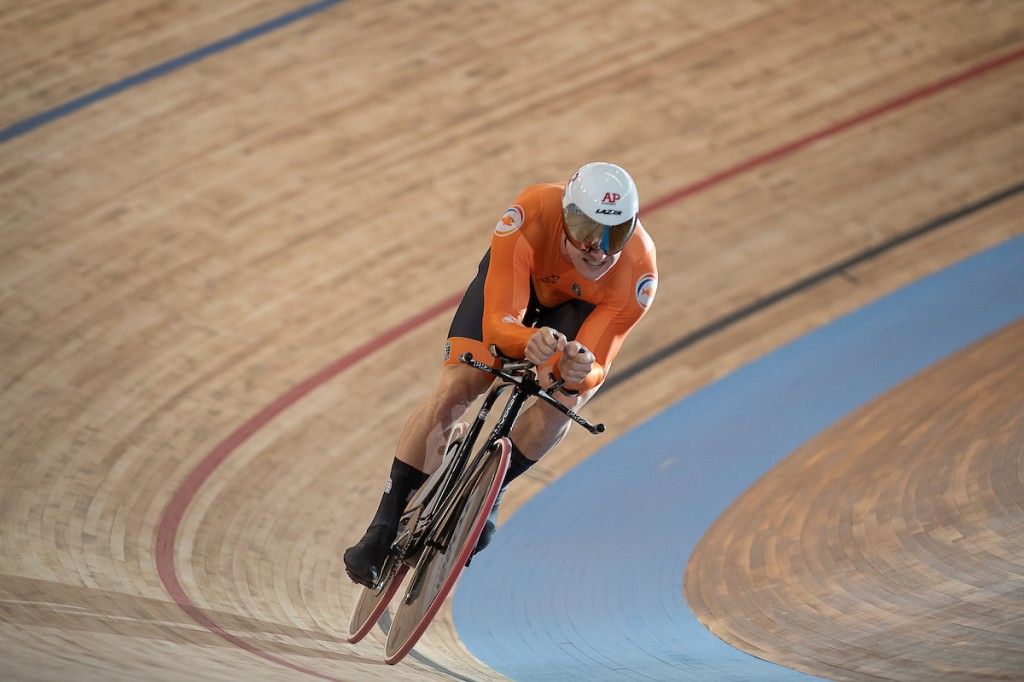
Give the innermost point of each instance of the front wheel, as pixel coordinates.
(438, 568)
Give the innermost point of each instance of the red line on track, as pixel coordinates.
(863, 117)
(170, 521)
(167, 531)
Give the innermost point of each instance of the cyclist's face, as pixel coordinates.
(592, 264)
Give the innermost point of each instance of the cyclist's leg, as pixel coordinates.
(422, 441)
(541, 427)
(420, 451)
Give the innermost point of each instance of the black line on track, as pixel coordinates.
(171, 65)
(771, 299)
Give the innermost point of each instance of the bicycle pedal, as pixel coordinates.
(360, 580)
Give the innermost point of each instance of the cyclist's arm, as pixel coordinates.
(507, 288)
(606, 327)
(603, 333)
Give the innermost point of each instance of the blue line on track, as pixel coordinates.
(30, 124)
(584, 582)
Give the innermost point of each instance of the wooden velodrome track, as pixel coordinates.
(225, 285)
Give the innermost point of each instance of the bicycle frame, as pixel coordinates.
(438, 514)
(516, 375)
(523, 382)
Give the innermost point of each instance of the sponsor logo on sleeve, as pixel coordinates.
(510, 221)
(645, 288)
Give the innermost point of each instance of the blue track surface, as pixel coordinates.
(585, 581)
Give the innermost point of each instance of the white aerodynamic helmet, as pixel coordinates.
(600, 206)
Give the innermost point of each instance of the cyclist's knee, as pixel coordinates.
(458, 387)
(541, 427)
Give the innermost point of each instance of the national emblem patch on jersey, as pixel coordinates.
(510, 221)
(645, 288)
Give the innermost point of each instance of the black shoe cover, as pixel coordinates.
(363, 561)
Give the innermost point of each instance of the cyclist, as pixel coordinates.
(569, 272)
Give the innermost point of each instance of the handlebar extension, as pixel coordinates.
(527, 382)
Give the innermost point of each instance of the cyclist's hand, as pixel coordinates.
(543, 344)
(575, 363)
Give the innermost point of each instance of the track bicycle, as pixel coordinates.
(441, 524)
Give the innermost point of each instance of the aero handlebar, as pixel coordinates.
(520, 374)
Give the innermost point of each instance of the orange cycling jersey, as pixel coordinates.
(526, 251)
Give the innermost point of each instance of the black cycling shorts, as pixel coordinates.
(467, 324)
